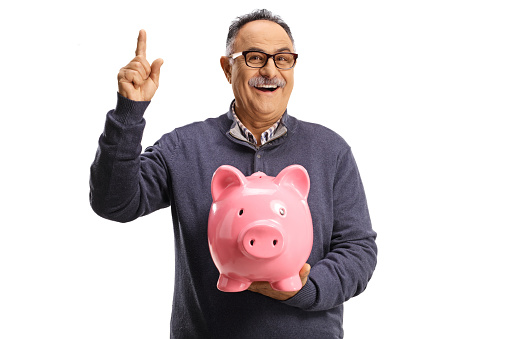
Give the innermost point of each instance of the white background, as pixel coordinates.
(419, 89)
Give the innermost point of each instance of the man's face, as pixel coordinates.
(257, 104)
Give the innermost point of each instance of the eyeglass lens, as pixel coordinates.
(257, 59)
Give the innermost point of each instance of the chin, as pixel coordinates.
(266, 109)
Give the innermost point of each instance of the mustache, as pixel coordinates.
(258, 81)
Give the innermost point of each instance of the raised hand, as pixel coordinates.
(139, 80)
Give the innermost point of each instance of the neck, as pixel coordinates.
(256, 123)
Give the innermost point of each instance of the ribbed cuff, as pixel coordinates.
(129, 112)
(305, 298)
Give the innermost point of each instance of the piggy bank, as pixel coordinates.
(260, 228)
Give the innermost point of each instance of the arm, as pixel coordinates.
(344, 272)
(124, 184)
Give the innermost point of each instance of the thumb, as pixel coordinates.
(156, 70)
(304, 273)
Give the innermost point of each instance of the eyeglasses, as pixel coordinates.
(256, 59)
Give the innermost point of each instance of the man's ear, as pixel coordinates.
(227, 68)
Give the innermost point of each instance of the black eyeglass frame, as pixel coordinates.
(269, 56)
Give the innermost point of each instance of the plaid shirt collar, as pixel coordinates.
(266, 136)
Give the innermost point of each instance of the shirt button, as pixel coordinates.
(258, 156)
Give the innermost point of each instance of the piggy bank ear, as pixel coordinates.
(296, 177)
(225, 177)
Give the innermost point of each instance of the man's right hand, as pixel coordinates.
(139, 80)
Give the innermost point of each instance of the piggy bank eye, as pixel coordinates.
(282, 211)
(241, 211)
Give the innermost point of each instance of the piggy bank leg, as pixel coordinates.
(289, 284)
(227, 284)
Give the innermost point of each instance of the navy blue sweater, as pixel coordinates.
(177, 172)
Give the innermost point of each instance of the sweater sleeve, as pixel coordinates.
(345, 270)
(125, 184)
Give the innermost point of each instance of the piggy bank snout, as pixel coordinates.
(262, 241)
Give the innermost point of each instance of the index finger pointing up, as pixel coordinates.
(141, 48)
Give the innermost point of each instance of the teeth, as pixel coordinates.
(267, 86)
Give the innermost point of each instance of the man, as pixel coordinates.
(256, 134)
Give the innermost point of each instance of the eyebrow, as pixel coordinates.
(255, 49)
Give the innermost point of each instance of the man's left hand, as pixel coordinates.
(264, 287)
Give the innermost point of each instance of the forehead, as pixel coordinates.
(262, 34)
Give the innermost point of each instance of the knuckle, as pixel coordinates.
(128, 75)
(138, 67)
(122, 73)
(144, 64)
(139, 60)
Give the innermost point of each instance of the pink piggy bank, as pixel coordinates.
(260, 228)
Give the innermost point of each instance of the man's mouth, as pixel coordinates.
(267, 88)
(266, 85)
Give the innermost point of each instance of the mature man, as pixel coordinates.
(256, 134)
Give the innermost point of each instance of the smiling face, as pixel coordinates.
(256, 105)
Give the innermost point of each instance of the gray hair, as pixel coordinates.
(259, 14)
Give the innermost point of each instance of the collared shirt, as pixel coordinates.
(265, 136)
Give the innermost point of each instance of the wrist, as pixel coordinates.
(128, 111)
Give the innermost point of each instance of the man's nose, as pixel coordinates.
(269, 70)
